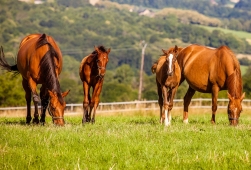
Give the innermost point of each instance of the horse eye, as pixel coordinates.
(53, 108)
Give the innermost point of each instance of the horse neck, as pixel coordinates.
(234, 84)
(91, 60)
(49, 75)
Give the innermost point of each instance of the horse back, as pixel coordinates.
(29, 56)
(202, 66)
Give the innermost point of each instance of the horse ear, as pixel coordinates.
(229, 96)
(164, 51)
(65, 93)
(243, 95)
(51, 94)
(176, 48)
(108, 51)
(96, 48)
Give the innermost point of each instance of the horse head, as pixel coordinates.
(102, 60)
(234, 109)
(56, 107)
(171, 57)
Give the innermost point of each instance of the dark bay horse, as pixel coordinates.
(92, 71)
(209, 70)
(39, 61)
(167, 79)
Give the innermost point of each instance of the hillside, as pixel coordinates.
(78, 26)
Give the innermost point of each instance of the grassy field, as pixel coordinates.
(127, 141)
(240, 34)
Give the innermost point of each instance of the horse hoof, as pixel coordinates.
(42, 122)
(84, 121)
(35, 121)
(28, 120)
(167, 123)
(185, 121)
(213, 122)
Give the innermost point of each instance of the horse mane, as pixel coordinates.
(43, 41)
(47, 67)
(101, 48)
(234, 81)
(94, 54)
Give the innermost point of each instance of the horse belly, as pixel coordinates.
(198, 78)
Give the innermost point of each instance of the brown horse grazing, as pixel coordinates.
(92, 71)
(39, 61)
(167, 78)
(209, 70)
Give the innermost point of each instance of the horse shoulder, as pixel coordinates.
(177, 71)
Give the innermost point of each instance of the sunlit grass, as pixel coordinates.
(135, 141)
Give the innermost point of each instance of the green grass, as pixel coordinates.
(127, 142)
(244, 69)
(240, 34)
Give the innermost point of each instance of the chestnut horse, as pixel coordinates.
(209, 70)
(167, 78)
(39, 61)
(92, 71)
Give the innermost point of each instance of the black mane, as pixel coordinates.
(47, 68)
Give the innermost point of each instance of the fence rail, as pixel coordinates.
(142, 105)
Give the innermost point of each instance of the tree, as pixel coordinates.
(11, 91)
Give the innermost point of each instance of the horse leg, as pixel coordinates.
(85, 103)
(170, 100)
(88, 116)
(35, 98)
(215, 91)
(44, 103)
(165, 103)
(95, 100)
(187, 99)
(160, 100)
(28, 100)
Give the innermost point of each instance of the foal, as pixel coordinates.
(167, 79)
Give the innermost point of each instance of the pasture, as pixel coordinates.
(240, 34)
(133, 140)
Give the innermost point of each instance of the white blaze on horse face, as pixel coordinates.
(170, 58)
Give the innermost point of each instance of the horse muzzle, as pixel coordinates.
(233, 121)
(59, 121)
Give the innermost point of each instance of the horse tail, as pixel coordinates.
(5, 65)
(154, 67)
